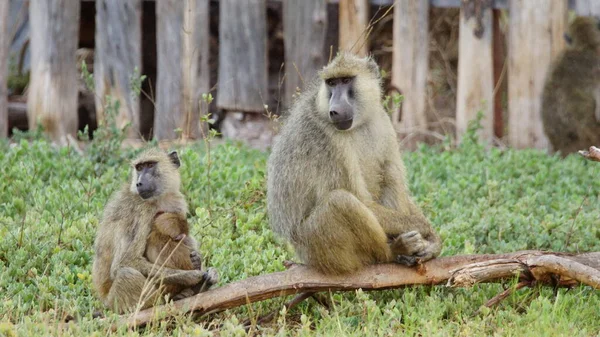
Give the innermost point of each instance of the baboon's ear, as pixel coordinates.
(373, 67)
(175, 159)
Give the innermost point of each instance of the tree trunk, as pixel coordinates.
(475, 70)
(242, 81)
(4, 47)
(183, 75)
(410, 64)
(117, 55)
(304, 26)
(535, 38)
(354, 19)
(52, 98)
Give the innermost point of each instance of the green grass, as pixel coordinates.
(481, 201)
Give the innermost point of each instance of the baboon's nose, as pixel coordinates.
(138, 185)
(333, 113)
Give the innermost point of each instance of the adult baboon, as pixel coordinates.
(123, 277)
(336, 180)
(571, 97)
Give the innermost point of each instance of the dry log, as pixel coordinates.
(456, 271)
(592, 154)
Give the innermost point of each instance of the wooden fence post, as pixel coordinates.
(4, 48)
(304, 27)
(242, 83)
(535, 38)
(52, 98)
(500, 66)
(475, 70)
(354, 19)
(410, 64)
(117, 55)
(182, 33)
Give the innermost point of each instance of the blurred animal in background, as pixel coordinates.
(150, 205)
(571, 97)
(336, 181)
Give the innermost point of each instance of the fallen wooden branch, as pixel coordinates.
(592, 154)
(556, 269)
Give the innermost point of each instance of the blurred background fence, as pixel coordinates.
(450, 59)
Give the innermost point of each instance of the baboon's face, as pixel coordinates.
(584, 32)
(155, 176)
(147, 178)
(341, 101)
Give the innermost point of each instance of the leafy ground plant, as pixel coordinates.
(480, 200)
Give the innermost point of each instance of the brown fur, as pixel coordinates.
(122, 276)
(340, 197)
(571, 97)
(164, 249)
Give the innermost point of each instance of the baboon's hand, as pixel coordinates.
(196, 260)
(210, 277)
(409, 243)
(413, 248)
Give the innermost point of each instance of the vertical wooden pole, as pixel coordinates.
(117, 55)
(475, 71)
(183, 75)
(52, 98)
(304, 27)
(242, 81)
(410, 63)
(535, 38)
(4, 47)
(354, 19)
(499, 56)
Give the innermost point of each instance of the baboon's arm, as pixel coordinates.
(167, 275)
(131, 254)
(395, 210)
(394, 190)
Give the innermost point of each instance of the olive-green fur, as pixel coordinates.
(340, 197)
(122, 276)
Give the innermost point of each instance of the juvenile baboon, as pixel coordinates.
(571, 97)
(122, 276)
(170, 245)
(336, 180)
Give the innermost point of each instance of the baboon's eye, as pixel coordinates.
(150, 164)
(330, 82)
(139, 167)
(346, 80)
